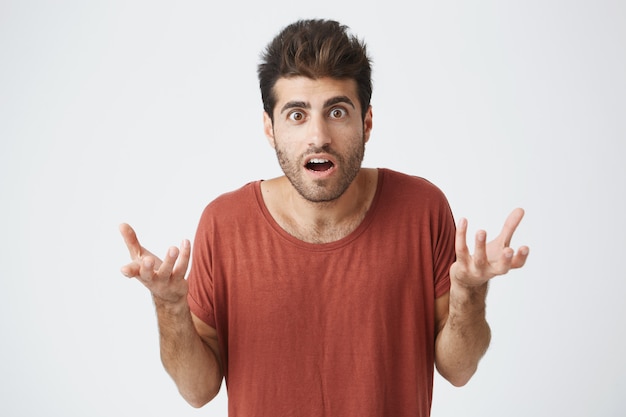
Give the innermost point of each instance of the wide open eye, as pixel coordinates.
(296, 116)
(338, 113)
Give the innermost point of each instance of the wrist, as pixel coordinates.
(468, 298)
(469, 290)
(170, 307)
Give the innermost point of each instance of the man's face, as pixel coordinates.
(318, 134)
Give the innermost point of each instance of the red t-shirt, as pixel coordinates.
(338, 329)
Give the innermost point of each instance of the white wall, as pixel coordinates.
(143, 111)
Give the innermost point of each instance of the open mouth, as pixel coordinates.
(319, 165)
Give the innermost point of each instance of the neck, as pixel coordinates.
(320, 222)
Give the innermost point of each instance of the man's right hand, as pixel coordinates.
(189, 351)
(164, 278)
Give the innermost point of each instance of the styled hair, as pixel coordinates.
(315, 48)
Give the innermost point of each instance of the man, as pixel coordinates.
(333, 290)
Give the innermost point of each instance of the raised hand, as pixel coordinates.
(489, 259)
(164, 278)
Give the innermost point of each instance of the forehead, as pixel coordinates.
(313, 91)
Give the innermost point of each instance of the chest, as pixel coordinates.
(273, 281)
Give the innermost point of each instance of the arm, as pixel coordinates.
(463, 333)
(189, 349)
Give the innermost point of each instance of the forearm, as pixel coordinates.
(190, 362)
(465, 336)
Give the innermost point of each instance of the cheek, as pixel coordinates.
(283, 144)
(287, 137)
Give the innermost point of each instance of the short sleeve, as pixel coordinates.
(200, 279)
(445, 254)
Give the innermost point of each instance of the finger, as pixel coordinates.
(147, 268)
(183, 260)
(460, 242)
(504, 263)
(510, 225)
(480, 250)
(130, 238)
(165, 269)
(131, 270)
(520, 257)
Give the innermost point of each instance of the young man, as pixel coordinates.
(333, 290)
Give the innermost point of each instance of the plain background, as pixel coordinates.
(144, 111)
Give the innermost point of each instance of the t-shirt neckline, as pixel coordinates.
(367, 220)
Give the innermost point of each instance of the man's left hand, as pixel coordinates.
(489, 259)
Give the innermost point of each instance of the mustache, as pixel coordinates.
(320, 149)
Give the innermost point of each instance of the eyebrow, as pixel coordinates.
(330, 102)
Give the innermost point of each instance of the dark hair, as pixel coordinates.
(315, 48)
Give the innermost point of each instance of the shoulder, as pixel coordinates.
(234, 198)
(406, 187)
(413, 200)
(232, 204)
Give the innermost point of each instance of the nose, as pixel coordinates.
(319, 132)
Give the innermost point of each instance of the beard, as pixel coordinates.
(323, 190)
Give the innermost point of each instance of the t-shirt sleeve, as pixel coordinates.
(200, 279)
(445, 254)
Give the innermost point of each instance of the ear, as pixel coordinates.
(268, 129)
(367, 124)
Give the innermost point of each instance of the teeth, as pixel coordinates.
(318, 161)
